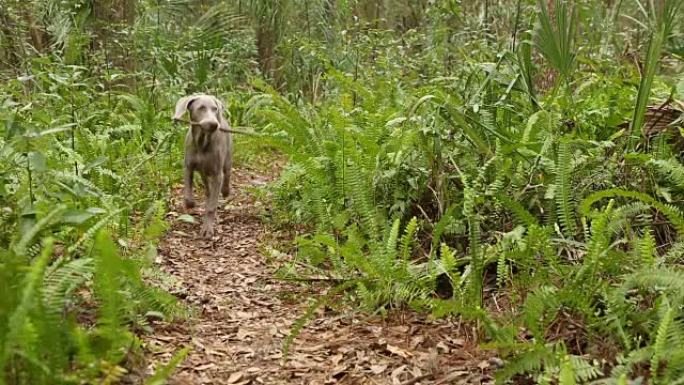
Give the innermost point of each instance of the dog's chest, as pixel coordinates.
(208, 163)
(206, 154)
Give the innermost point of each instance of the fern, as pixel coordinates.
(94, 229)
(674, 254)
(647, 249)
(161, 375)
(672, 213)
(529, 361)
(564, 199)
(567, 372)
(408, 239)
(671, 169)
(660, 340)
(22, 337)
(61, 281)
(521, 214)
(502, 270)
(21, 246)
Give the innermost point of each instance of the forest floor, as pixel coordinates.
(243, 314)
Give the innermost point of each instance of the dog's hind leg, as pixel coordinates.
(188, 198)
(213, 186)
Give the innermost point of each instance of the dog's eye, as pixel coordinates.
(202, 108)
(214, 109)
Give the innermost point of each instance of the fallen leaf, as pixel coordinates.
(187, 218)
(451, 377)
(377, 369)
(396, 373)
(235, 377)
(456, 341)
(417, 340)
(442, 347)
(497, 362)
(338, 371)
(336, 359)
(205, 367)
(398, 351)
(242, 334)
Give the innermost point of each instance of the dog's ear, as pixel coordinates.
(223, 123)
(182, 106)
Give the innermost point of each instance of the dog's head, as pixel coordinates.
(205, 111)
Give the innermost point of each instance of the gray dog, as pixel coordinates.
(208, 150)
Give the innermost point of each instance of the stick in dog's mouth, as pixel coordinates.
(231, 130)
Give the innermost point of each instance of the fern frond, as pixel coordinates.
(408, 239)
(162, 374)
(647, 248)
(566, 375)
(564, 192)
(671, 169)
(93, 230)
(520, 213)
(672, 213)
(392, 238)
(660, 340)
(22, 337)
(61, 281)
(28, 236)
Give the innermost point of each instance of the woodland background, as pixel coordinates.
(514, 163)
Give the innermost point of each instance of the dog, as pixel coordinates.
(208, 150)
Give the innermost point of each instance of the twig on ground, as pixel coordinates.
(450, 377)
(416, 379)
(312, 279)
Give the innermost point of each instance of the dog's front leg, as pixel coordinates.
(214, 187)
(225, 186)
(188, 198)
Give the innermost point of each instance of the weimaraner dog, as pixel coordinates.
(208, 150)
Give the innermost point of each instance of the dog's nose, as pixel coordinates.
(210, 126)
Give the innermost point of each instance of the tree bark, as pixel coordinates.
(109, 18)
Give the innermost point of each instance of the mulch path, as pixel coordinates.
(242, 314)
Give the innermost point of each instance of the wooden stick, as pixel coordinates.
(231, 130)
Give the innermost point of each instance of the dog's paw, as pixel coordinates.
(207, 230)
(189, 203)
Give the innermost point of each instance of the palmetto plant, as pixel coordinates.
(555, 36)
(660, 19)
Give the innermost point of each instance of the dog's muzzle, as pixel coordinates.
(209, 126)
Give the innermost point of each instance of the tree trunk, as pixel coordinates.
(110, 17)
(9, 50)
(265, 49)
(37, 33)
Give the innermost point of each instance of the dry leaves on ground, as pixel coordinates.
(243, 316)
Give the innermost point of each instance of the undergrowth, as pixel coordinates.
(442, 154)
(480, 176)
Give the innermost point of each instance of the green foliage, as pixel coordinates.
(492, 170)
(661, 19)
(431, 146)
(44, 345)
(163, 373)
(79, 159)
(555, 36)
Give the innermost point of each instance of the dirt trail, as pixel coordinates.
(243, 314)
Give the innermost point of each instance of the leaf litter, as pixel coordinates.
(242, 315)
